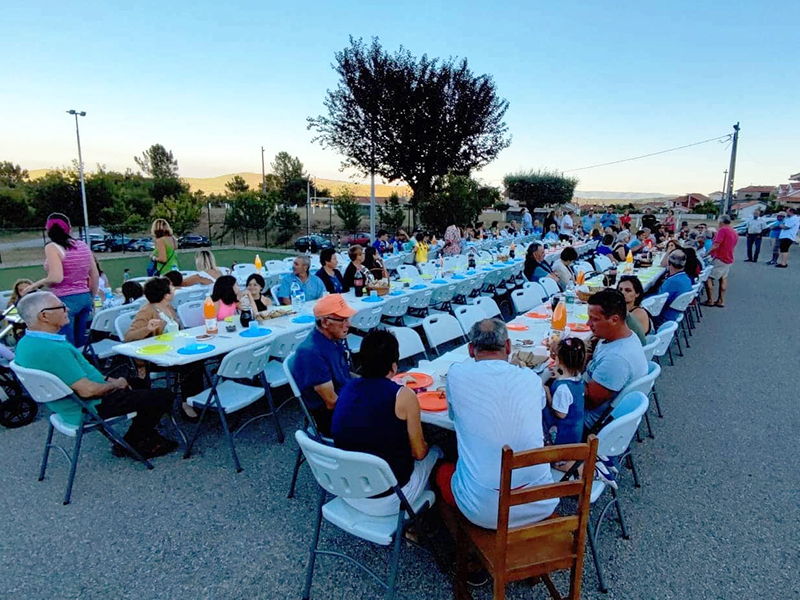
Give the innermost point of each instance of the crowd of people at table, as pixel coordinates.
(492, 400)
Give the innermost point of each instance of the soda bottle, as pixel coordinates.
(258, 263)
(247, 313)
(471, 261)
(358, 283)
(512, 249)
(210, 316)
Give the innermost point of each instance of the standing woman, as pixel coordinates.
(452, 241)
(550, 219)
(669, 222)
(164, 256)
(71, 275)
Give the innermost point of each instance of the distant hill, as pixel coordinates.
(627, 196)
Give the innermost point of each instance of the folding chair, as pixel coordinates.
(681, 304)
(394, 308)
(103, 323)
(550, 286)
(282, 346)
(191, 294)
(665, 334)
(655, 304)
(191, 314)
(363, 321)
(273, 291)
(418, 303)
(489, 307)
(275, 266)
(45, 387)
(527, 298)
(440, 329)
(357, 475)
(602, 263)
(227, 396)
(409, 341)
(468, 315)
(535, 550)
(441, 297)
(407, 272)
(123, 322)
(613, 440)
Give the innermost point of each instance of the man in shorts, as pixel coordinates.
(786, 237)
(721, 254)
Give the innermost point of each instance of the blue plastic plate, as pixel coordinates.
(419, 286)
(373, 299)
(257, 332)
(438, 281)
(196, 349)
(303, 319)
(471, 272)
(397, 293)
(457, 276)
(487, 268)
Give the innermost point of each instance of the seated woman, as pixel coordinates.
(207, 271)
(255, 290)
(669, 248)
(16, 294)
(356, 254)
(563, 269)
(605, 248)
(328, 273)
(375, 415)
(374, 263)
(694, 264)
(226, 297)
(638, 319)
(132, 291)
(620, 252)
(153, 319)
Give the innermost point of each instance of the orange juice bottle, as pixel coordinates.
(580, 278)
(258, 263)
(629, 258)
(559, 320)
(210, 316)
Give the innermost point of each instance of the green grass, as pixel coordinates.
(114, 267)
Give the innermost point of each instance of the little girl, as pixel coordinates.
(563, 417)
(226, 297)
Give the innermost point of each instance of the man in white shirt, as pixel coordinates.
(493, 403)
(755, 225)
(567, 226)
(787, 235)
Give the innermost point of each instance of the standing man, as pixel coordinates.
(755, 225)
(588, 221)
(381, 243)
(567, 226)
(527, 221)
(721, 253)
(774, 234)
(609, 219)
(787, 236)
(649, 219)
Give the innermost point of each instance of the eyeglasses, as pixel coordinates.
(61, 307)
(339, 320)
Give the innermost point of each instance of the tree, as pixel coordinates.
(158, 163)
(183, 212)
(12, 175)
(706, 208)
(249, 211)
(15, 210)
(286, 167)
(348, 209)
(57, 191)
(392, 215)
(410, 119)
(287, 222)
(540, 188)
(457, 199)
(237, 185)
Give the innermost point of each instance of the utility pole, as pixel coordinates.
(263, 173)
(308, 206)
(77, 114)
(731, 170)
(724, 188)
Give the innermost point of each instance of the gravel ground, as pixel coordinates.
(716, 516)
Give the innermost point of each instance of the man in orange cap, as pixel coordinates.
(322, 361)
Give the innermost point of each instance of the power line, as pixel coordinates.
(615, 162)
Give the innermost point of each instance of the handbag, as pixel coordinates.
(153, 269)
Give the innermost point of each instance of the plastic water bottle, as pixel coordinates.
(569, 297)
(296, 301)
(97, 302)
(174, 267)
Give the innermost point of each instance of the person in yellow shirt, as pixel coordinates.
(421, 250)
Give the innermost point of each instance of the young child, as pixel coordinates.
(226, 297)
(132, 291)
(563, 417)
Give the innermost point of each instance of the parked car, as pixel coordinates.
(193, 241)
(313, 242)
(361, 239)
(742, 228)
(140, 245)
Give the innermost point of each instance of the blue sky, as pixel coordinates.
(587, 82)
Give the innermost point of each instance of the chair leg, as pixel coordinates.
(634, 472)
(685, 335)
(678, 340)
(73, 465)
(274, 413)
(462, 566)
(398, 544)
(229, 435)
(671, 360)
(649, 429)
(47, 446)
(600, 580)
(314, 541)
(655, 399)
(625, 534)
(189, 446)
(296, 471)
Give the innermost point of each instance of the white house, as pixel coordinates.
(745, 210)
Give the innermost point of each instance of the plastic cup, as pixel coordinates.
(252, 325)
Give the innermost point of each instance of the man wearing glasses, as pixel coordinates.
(322, 361)
(42, 348)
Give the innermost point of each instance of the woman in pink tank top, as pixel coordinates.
(226, 297)
(71, 275)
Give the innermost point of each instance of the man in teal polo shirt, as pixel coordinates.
(44, 349)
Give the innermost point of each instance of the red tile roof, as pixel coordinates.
(756, 188)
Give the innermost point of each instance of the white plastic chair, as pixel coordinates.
(602, 263)
(427, 268)
(357, 475)
(4, 296)
(489, 307)
(550, 286)
(582, 265)
(468, 315)
(364, 320)
(394, 307)
(104, 322)
(227, 396)
(407, 272)
(275, 266)
(242, 271)
(123, 322)
(418, 303)
(665, 335)
(273, 291)
(681, 304)
(655, 304)
(191, 314)
(440, 329)
(651, 346)
(44, 388)
(282, 346)
(409, 341)
(527, 298)
(191, 294)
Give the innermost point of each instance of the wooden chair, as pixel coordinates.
(531, 551)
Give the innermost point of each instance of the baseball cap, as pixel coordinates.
(335, 305)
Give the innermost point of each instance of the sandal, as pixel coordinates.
(718, 305)
(707, 303)
(185, 414)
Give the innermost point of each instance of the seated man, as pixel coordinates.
(43, 349)
(676, 283)
(375, 415)
(311, 285)
(493, 403)
(321, 364)
(618, 357)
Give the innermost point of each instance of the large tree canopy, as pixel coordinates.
(411, 119)
(158, 162)
(540, 188)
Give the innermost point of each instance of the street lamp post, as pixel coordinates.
(80, 170)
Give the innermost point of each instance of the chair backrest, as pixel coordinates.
(409, 341)
(42, 386)
(343, 473)
(441, 328)
(276, 266)
(420, 299)
(616, 436)
(427, 268)
(468, 315)
(4, 296)
(395, 306)
(191, 314)
(407, 272)
(655, 304)
(520, 539)
(489, 307)
(601, 262)
(273, 291)
(123, 322)
(191, 294)
(367, 318)
(443, 293)
(550, 286)
(104, 320)
(651, 346)
(245, 363)
(644, 384)
(582, 265)
(682, 302)
(286, 343)
(526, 299)
(243, 270)
(665, 334)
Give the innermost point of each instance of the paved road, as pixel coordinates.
(717, 516)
